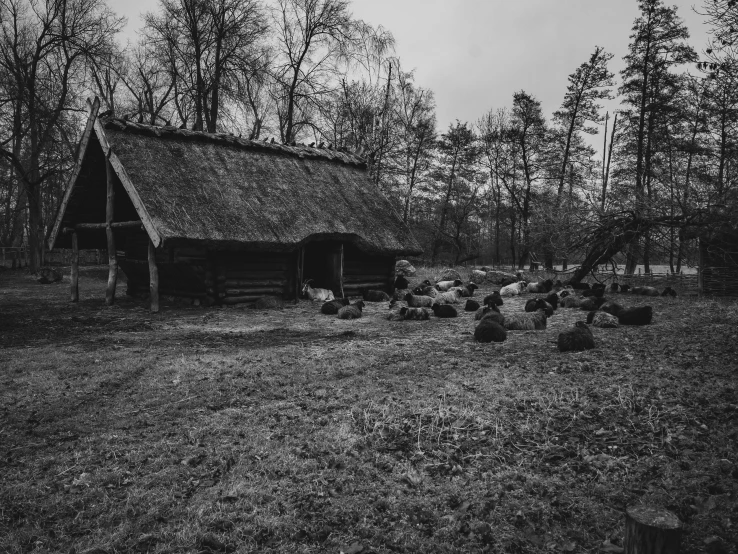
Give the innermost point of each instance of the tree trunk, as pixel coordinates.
(112, 258)
(651, 530)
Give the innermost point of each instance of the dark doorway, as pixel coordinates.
(323, 263)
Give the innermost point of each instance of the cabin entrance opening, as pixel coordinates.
(322, 261)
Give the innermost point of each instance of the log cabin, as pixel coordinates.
(718, 270)
(225, 220)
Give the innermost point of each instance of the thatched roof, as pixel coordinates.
(233, 192)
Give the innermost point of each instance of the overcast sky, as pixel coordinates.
(474, 54)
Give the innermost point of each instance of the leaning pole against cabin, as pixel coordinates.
(74, 292)
(109, 209)
(651, 530)
(153, 278)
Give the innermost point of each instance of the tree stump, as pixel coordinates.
(651, 530)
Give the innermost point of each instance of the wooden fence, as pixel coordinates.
(12, 257)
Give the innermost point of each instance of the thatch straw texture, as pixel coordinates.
(236, 192)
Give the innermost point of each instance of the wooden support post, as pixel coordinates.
(651, 530)
(340, 276)
(75, 269)
(112, 259)
(153, 279)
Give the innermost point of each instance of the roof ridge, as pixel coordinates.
(228, 139)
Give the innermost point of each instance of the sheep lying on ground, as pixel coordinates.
(624, 288)
(450, 297)
(576, 339)
(492, 315)
(489, 331)
(418, 301)
(668, 291)
(444, 310)
(611, 308)
(268, 302)
(425, 290)
(513, 290)
(646, 291)
(493, 298)
(485, 310)
(570, 302)
(535, 304)
(332, 306)
(614, 287)
(603, 320)
(471, 306)
(352, 311)
(467, 291)
(372, 295)
(445, 285)
(553, 299)
(418, 314)
(640, 315)
(592, 303)
(598, 292)
(579, 286)
(541, 286)
(526, 321)
(401, 282)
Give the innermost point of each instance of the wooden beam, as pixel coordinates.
(112, 259)
(82, 149)
(153, 278)
(74, 292)
(114, 225)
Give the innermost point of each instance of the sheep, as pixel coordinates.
(564, 293)
(450, 297)
(425, 290)
(535, 304)
(352, 311)
(599, 286)
(640, 315)
(489, 331)
(401, 282)
(589, 304)
(624, 288)
(576, 339)
(471, 306)
(668, 291)
(614, 287)
(443, 286)
(553, 299)
(268, 302)
(493, 298)
(611, 308)
(332, 306)
(444, 310)
(372, 295)
(558, 284)
(526, 321)
(505, 281)
(579, 286)
(598, 292)
(468, 290)
(419, 314)
(485, 310)
(570, 302)
(603, 320)
(513, 290)
(316, 294)
(646, 291)
(418, 301)
(497, 317)
(541, 286)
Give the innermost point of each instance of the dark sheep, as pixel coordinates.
(444, 310)
(579, 286)
(401, 282)
(589, 304)
(492, 315)
(640, 315)
(493, 299)
(375, 296)
(611, 308)
(535, 304)
(425, 290)
(471, 306)
(352, 311)
(599, 286)
(468, 290)
(332, 306)
(553, 299)
(489, 331)
(481, 312)
(418, 301)
(668, 291)
(541, 286)
(646, 291)
(505, 281)
(419, 314)
(558, 284)
(602, 319)
(576, 339)
(571, 302)
(268, 302)
(564, 293)
(614, 287)
(624, 288)
(596, 293)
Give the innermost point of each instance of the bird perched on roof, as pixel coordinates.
(321, 145)
(272, 141)
(311, 145)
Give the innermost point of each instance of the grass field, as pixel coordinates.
(236, 430)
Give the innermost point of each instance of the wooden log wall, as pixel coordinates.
(362, 271)
(719, 268)
(246, 276)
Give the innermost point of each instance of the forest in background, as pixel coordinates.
(512, 186)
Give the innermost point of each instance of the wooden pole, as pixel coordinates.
(651, 530)
(112, 260)
(153, 279)
(75, 269)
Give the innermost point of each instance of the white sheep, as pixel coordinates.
(513, 290)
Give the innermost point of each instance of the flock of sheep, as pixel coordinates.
(440, 299)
